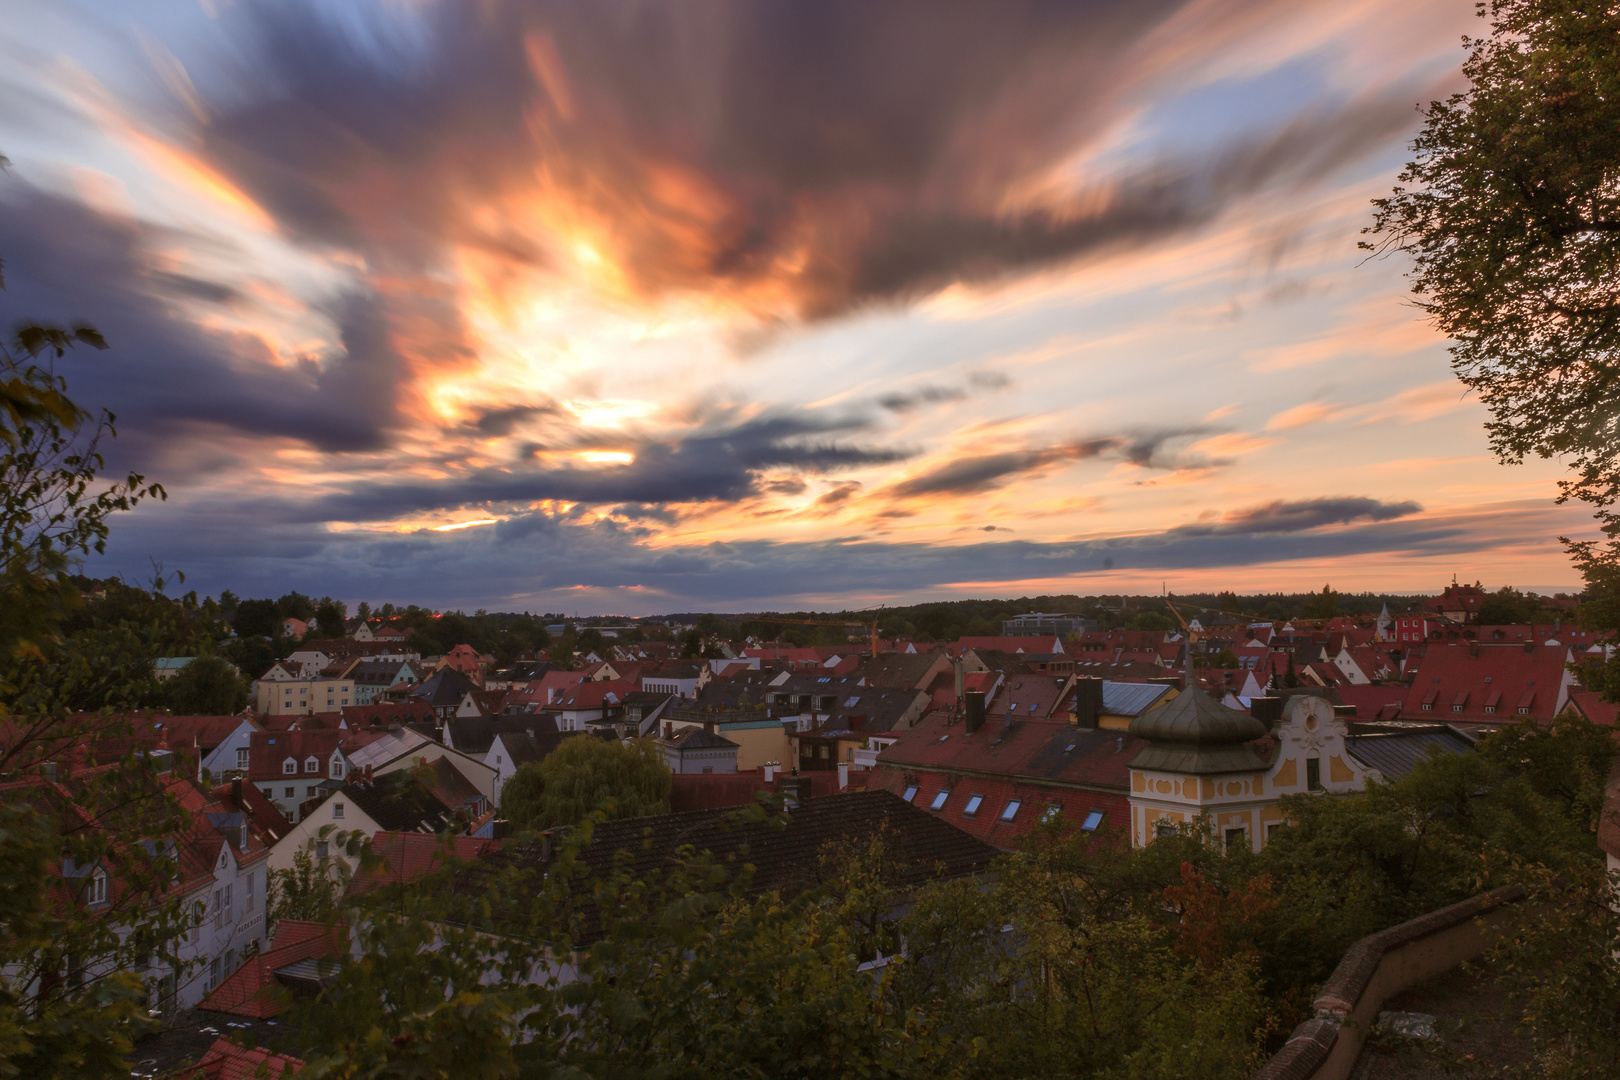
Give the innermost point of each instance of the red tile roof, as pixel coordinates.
(252, 990)
(408, 856)
(1052, 752)
(227, 1061)
(1590, 704)
(1488, 683)
(995, 794)
(593, 695)
(268, 750)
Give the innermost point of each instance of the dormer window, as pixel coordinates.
(337, 768)
(97, 892)
(289, 767)
(312, 764)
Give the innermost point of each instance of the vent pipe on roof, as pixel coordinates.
(1088, 700)
(974, 701)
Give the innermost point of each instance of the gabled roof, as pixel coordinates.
(445, 688)
(267, 750)
(404, 857)
(474, 735)
(227, 1061)
(593, 695)
(400, 802)
(522, 747)
(388, 748)
(1052, 751)
(696, 738)
(1459, 682)
(252, 990)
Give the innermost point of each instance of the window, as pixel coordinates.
(337, 769)
(247, 889)
(1236, 838)
(972, 806)
(911, 792)
(289, 793)
(1428, 706)
(337, 809)
(320, 849)
(289, 767)
(312, 764)
(1313, 773)
(228, 903)
(1524, 710)
(1012, 810)
(1490, 708)
(939, 799)
(1456, 708)
(1093, 821)
(269, 793)
(98, 888)
(1163, 828)
(241, 757)
(309, 792)
(213, 973)
(1271, 829)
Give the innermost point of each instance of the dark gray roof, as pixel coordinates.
(1396, 752)
(474, 735)
(696, 738)
(399, 802)
(445, 687)
(523, 747)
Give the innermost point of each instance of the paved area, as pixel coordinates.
(1473, 1028)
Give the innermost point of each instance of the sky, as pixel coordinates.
(732, 305)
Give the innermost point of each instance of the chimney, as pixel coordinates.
(770, 772)
(1088, 700)
(974, 700)
(843, 776)
(1529, 646)
(48, 771)
(1267, 710)
(236, 792)
(961, 676)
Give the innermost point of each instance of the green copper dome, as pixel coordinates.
(1197, 734)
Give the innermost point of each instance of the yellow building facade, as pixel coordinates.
(1202, 762)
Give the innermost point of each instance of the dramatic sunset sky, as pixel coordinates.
(731, 304)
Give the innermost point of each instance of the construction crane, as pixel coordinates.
(871, 627)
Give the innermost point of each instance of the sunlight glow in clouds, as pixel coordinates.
(731, 304)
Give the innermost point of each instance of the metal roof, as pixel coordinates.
(1131, 699)
(390, 747)
(1397, 753)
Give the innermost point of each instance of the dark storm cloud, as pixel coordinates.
(537, 554)
(717, 464)
(165, 376)
(985, 472)
(1302, 514)
(867, 146)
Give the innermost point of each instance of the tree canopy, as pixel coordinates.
(586, 775)
(1510, 210)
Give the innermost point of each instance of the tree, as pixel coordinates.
(1151, 620)
(309, 891)
(331, 617)
(295, 605)
(1511, 212)
(70, 1002)
(208, 686)
(257, 618)
(585, 775)
(1323, 605)
(1508, 607)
